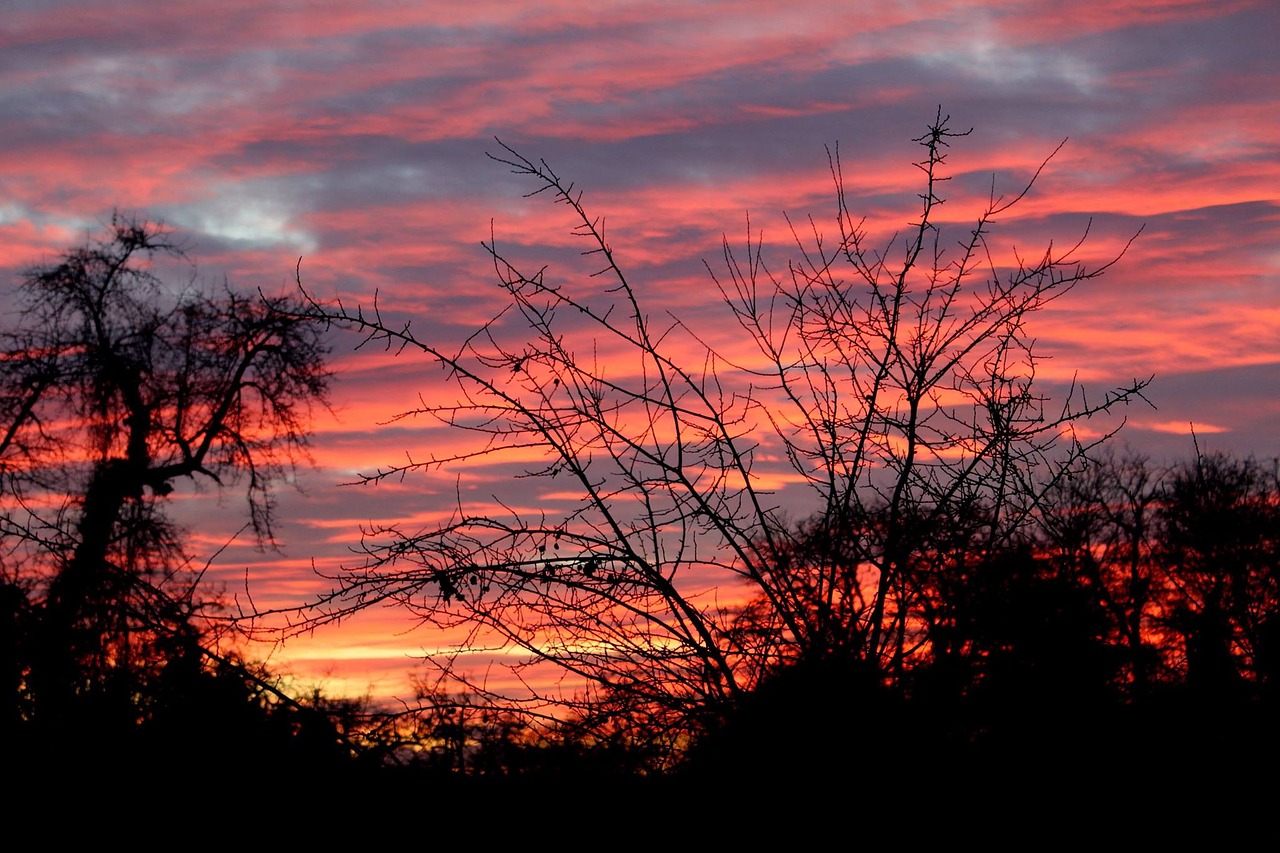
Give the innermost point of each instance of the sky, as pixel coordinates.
(347, 141)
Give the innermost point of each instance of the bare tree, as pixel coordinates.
(1184, 559)
(897, 381)
(1102, 527)
(113, 387)
(1219, 562)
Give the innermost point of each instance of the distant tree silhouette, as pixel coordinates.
(1183, 561)
(1101, 525)
(462, 736)
(115, 387)
(898, 381)
(1220, 550)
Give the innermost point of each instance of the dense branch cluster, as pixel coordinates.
(897, 381)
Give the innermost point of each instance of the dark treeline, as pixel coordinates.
(1136, 628)
(1136, 625)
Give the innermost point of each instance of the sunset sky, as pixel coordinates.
(353, 135)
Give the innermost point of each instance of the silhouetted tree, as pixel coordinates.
(897, 381)
(1101, 526)
(1219, 549)
(1182, 560)
(1044, 677)
(114, 388)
